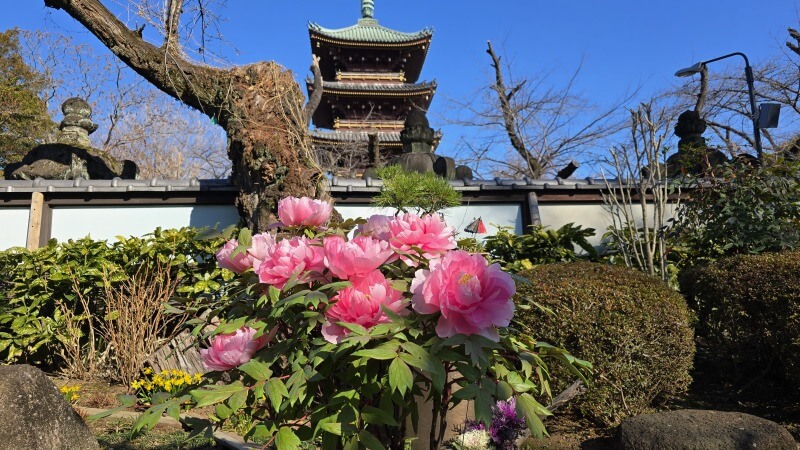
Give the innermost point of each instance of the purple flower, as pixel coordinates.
(506, 425)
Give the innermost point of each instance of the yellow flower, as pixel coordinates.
(147, 371)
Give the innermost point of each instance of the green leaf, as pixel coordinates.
(483, 405)
(238, 400)
(332, 427)
(370, 441)
(214, 394)
(287, 440)
(274, 294)
(352, 444)
(400, 376)
(222, 411)
(467, 392)
(529, 408)
(336, 286)
(376, 416)
(230, 326)
(384, 352)
(276, 391)
(245, 238)
(257, 370)
(421, 359)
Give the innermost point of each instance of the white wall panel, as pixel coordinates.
(105, 223)
(594, 216)
(13, 227)
(493, 215)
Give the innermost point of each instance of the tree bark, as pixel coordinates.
(504, 95)
(260, 106)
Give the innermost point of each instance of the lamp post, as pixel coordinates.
(748, 72)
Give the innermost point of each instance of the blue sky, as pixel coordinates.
(623, 44)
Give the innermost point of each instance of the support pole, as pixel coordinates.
(35, 220)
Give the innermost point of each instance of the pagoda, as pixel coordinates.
(370, 83)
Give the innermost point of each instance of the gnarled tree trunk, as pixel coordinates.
(260, 106)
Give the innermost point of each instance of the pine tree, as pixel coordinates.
(24, 121)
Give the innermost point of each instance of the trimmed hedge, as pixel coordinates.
(633, 328)
(748, 308)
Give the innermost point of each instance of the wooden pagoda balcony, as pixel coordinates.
(356, 124)
(371, 77)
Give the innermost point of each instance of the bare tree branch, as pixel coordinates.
(509, 117)
(186, 82)
(171, 22)
(528, 127)
(316, 90)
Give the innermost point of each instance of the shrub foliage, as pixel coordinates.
(741, 210)
(748, 308)
(52, 300)
(539, 245)
(632, 327)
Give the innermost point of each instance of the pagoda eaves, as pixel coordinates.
(369, 47)
(367, 32)
(360, 103)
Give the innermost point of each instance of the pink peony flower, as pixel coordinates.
(361, 304)
(303, 211)
(376, 226)
(229, 351)
(473, 297)
(260, 247)
(428, 233)
(238, 263)
(297, 256)
(355, 258)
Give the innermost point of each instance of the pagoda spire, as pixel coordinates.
(367, 9)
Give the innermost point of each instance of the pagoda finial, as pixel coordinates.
(367, 9)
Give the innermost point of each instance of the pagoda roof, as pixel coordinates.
(386, 138)
(337, 87)
(367, 31)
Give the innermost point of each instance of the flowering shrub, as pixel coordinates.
(169, 382)
(71, 393)
(337, 339)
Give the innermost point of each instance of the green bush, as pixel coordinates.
(539, 245)
(748, 309)
(740, 210)
(632, 327)
(41, 312)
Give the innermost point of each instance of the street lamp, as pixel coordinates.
(748, 72)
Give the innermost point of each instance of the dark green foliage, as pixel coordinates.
(539, 246)
(24, 121)
(423, 193)
(748, 308)
(36, 285)
(742, 209)
(632, 327)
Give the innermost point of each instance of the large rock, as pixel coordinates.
(693, 429)
(36, 416)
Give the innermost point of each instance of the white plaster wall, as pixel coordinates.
(105, 223)
(13, 227)
(109, 222)
(594, 216)
(494, 215)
